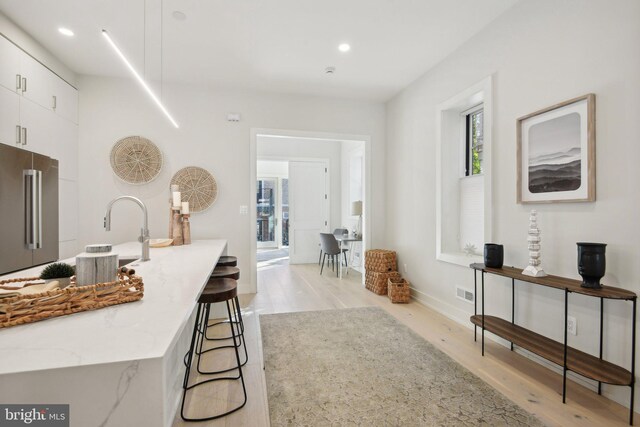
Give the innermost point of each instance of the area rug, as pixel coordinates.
(360, 366)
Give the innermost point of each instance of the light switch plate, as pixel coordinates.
(244, 209)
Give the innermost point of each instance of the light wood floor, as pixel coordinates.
(301, 288)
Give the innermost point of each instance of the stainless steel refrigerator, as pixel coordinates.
(28, 209)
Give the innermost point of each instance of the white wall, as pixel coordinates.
(352, 151)
(35, 49)
(305, 148)
(273, 168)
(539, 53)
(111, 109)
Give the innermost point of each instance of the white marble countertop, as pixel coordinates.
(173, 279)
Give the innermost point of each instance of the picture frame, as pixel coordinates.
(556, 158)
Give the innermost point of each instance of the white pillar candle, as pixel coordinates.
(177, 199)
(185, 208)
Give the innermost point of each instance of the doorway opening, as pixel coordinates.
(305, 184)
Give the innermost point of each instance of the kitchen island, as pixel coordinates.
(120, 365)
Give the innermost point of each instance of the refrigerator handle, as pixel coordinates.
(38, 241)
(30, 207)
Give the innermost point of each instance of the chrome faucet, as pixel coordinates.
(144, 231)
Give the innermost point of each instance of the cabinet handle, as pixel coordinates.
(18, 134)
(24, 84)
(24, 136)
(18, 82)
(55, 102)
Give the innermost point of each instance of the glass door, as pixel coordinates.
(267, 190)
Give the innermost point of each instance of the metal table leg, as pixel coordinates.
(564, 364)
(475, 303)
(483, 313)
(513, 304)
(633, 362)
(601, 327)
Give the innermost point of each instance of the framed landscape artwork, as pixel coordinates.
(556, 153)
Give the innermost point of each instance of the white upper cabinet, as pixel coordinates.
(39, 128)
(65, 101)
(65, 149)
(37, 82)
(9, 64)
(9, 117)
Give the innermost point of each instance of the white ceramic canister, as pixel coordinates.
(96, 265)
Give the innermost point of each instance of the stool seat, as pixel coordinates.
(218, 290)
(227, 261)
(226, 273)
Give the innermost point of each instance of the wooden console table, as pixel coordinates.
(587, 365)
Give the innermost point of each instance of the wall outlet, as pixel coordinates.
(404, 268)
(572, 325)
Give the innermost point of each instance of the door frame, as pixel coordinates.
(253, 157)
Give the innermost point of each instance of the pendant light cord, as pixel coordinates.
(161, 47)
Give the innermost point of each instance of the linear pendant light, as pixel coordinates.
(139, 78)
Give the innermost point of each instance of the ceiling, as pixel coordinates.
(268, 45)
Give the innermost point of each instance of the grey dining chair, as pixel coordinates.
(336, 232)
(329, 246)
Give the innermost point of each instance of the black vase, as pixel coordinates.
(493, 255)
(592, 263)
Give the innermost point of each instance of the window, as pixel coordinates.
(474, 140)
(463, 174)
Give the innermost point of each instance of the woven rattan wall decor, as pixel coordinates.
(136, 160)
(198, 187)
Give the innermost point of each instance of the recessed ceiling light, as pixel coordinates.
(178, 16)
(67, 32)
(344, 47)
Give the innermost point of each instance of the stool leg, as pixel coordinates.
(233, 336)
(190, 353)
(239, 333)
(240, 376)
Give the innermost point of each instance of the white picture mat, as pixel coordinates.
(579, 107)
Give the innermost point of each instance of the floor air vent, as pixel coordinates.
(464, 294)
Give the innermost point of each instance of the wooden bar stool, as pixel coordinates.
(224, 272)
(223, 291)
(227, 261)
(212, 285)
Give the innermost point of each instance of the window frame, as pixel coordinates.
(467, 169)
(449, 148)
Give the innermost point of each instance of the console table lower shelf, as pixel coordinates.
(577, 361)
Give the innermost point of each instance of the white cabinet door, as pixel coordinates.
(66, 100)
(68, 210)
(38, 82)
(9, 116)
(9, 64)
(39, 127)
(64, 148)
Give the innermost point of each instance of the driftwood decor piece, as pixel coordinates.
(136, 160)
(198, 187)
(17, 310)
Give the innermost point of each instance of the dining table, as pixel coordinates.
(348, 239)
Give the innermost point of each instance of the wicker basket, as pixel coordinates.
(399, 290)
(380, 260)
(59, 302)
(377, 282)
